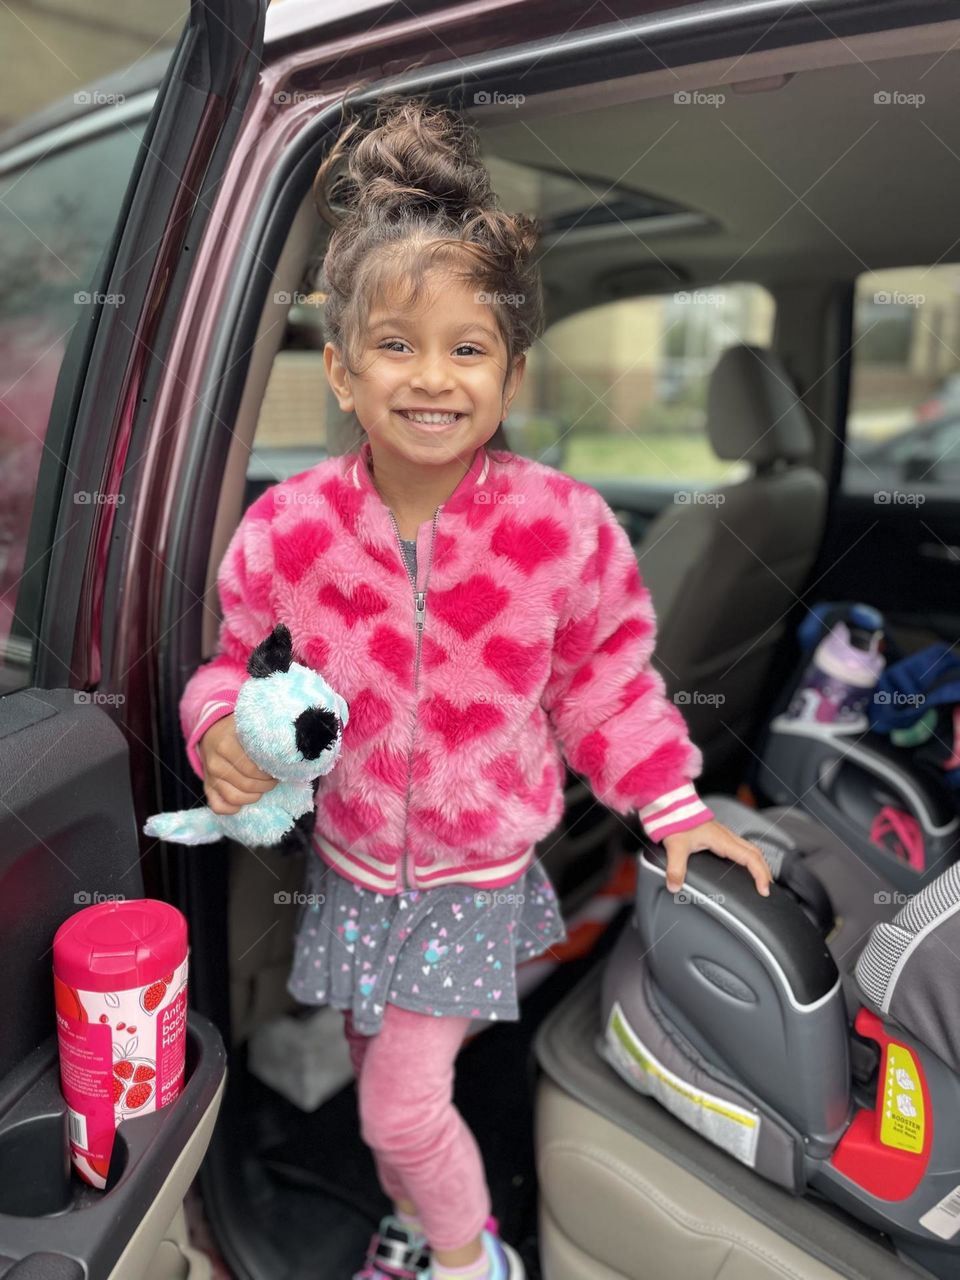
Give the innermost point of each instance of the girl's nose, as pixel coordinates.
(432, 376)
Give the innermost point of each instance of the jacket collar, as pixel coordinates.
(358, 472)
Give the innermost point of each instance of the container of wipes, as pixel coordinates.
(120, 991)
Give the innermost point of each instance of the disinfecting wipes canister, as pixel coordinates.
(120, 989)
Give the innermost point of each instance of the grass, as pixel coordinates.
(681, 459)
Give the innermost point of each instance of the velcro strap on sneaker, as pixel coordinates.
(393, 1257)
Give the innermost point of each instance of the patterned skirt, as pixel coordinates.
(451, 950)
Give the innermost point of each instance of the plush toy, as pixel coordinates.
(290, 723)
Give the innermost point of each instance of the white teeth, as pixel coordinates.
(430, 418)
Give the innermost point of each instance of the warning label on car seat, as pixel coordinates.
(944, 1218)
(901, 1103)
(724, 1123)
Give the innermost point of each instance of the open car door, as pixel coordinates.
(74, 728)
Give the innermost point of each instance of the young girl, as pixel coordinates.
(484, 618)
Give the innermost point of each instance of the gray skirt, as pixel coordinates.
(451, 950)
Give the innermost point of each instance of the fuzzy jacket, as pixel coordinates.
(525, 642)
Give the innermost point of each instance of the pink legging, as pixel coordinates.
(421, 1145)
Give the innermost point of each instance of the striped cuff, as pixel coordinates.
(677, 810)
(214, 709)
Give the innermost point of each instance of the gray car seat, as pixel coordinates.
(705, 1109)
(725, 567)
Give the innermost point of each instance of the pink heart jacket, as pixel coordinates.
(525, 641)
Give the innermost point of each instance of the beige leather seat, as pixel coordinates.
(628, 1192)
(725, 566)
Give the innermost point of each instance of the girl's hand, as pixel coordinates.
(716, 838)
(230, 778)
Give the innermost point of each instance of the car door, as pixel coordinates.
(73, 747)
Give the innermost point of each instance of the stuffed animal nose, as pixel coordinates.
(316, 729)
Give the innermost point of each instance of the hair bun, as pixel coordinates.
(419, 155)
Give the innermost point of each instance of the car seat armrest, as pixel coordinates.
(777, 925)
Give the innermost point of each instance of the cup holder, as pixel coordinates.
(47, 1211)
(37, 1177)
(35, 1170)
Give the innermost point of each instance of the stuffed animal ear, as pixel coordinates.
(273, 654)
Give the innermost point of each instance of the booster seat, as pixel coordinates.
(812, 1039)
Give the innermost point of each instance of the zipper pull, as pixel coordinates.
(421, 608)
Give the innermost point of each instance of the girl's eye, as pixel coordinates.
(391, 343)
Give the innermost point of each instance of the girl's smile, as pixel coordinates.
(430, 419)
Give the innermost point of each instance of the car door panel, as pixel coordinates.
(71, 840)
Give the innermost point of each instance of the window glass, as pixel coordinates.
(298, 408)
(58, 209)
(903, 424)
(619, 391)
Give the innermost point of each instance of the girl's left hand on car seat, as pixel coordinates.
(716, 838)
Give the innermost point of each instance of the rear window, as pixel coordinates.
(903, 425)
(620, 391)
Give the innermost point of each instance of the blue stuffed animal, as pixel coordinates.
(290, 723)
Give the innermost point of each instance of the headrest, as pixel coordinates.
(753, 411)
(910, 967)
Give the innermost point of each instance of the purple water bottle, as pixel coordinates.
(837, 684)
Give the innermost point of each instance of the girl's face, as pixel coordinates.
(445, 356)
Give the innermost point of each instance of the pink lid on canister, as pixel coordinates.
(116, 945)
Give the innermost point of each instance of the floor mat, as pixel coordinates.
(314, 1177)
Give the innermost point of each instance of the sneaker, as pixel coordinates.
(395, 1253)
(507, 1263)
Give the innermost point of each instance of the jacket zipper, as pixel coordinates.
(420, 609)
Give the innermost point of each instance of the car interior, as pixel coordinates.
(789, 185)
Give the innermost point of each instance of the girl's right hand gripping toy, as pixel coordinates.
(290, 723)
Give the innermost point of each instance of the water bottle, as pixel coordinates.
(843, 672)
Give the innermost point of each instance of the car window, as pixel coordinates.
(619, 391)
(903, 424)
(298, 406)
(58, 207)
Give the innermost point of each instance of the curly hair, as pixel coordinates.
(414, 195)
